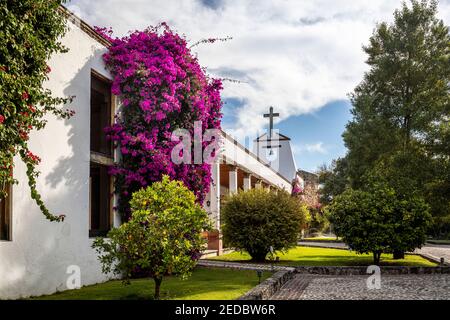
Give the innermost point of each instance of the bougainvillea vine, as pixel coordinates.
(30, 34)
(162, 88)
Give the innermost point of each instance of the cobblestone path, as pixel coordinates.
(393, 287)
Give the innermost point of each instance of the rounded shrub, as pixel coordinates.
(257, 219)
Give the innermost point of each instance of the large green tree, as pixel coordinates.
(401, 109)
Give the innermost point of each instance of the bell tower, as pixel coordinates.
(274, 149)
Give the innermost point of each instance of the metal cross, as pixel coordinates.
(271, 115)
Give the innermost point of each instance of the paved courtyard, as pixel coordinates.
(401, 287)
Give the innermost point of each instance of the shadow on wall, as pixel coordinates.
(38, 261)
(74, 170)
(41, 268)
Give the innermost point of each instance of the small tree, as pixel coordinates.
(318, 221)
(163, 235)
(257, 219)
(377, 220)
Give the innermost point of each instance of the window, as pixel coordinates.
(5, 215)
(100, 115)
(100, 183)
(100, 200)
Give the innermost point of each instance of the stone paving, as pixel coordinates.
(354, 287)
(436, 251)
(393, 287)
(337, 245)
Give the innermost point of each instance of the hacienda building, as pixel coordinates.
(35, 254)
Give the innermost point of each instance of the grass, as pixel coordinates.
(204, 284)
(306, 256)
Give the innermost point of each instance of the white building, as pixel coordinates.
(35, 254)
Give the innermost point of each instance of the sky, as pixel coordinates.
(301, 57)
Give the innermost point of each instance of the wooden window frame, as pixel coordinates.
(9, 213)
(103, 160)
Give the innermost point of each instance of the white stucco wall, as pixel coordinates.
(244, 158)
(36, 260)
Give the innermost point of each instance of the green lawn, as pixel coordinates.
(306, 256)
(205, 284)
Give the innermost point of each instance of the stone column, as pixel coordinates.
(215, 237)
(233, 179)
(215, 195)
(258, 184)
(247, 182)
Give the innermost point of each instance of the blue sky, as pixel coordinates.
(316, 137)
(302, 57)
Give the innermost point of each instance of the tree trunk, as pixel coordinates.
(158, 281)
(399, 255)
(376, 258)
(258, 256)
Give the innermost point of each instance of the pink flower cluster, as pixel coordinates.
(296, 189)
(162, 88)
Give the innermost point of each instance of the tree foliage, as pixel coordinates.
(401, 111)
(257, 219)
(163, 235)
(333, 180)
(30, 31)
(377, 220)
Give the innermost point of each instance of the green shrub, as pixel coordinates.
(162, 237)
(377, 220)
(440, 228)
(257, 219)
(318, 222)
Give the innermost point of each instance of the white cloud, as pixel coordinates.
(294, 55)
(309, 148)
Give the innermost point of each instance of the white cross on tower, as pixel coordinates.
(271, 115)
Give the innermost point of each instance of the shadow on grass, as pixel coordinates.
(205, 284)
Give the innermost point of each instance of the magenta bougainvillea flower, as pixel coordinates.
(297, 190)
(162, 87)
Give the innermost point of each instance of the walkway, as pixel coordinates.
(432, 250)
(393, 287)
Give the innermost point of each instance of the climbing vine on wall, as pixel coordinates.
(162, 88)
(30, 32)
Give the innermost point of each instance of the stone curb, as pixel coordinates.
(266, 289)
(392, 270)
(431, 258)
